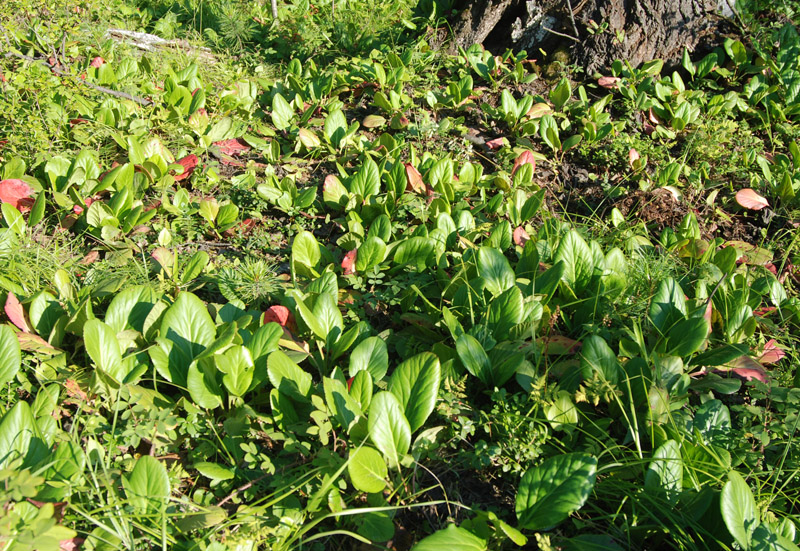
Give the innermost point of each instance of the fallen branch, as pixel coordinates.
(151, 42)
(61, 72)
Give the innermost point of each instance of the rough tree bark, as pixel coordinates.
(648, 29)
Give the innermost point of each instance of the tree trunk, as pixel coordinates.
(633, 30)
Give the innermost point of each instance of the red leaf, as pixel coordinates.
(764, 311)
(97, 62)
(558, 345)
(648, 128)
(749, 199)
(495, 144)
(612, 83)
(233, 147)
(746, 368)
(521, 236)
(653, 117)
(280, 315)
(188, 163)
(771, 353)
(414, 181)
(17, 193)
(349, 262)
(75, 391)
(71, 544)
(633, 156)
(525, 158)
(16, 313)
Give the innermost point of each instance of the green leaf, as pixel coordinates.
(370, 355)
(237, 366)
(452, 538)
(288, 377)
(367, 470)
(495, 270)
(505, 311)
(203, 386)
(415, 383)
(416, 250)
(336, 127)
(597, 357)
(474, 358)
(147, 486)
(371, 253)
(13, 218)
(190, 329)
(129, 308)
(10, 355)
(668, 305)
(282, 112)
(686, 337)
(328, 315)
(20, 437)
(194, 267)
(102, 345)
(361, 389)
(343, 406)
(388, 428)
(578, 261)
(306, 254)
(738, 508)
(214, 471)
(549, 493)
(367, 181)
(665, 474)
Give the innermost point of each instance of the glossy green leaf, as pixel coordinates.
(505, 311)
(452, 538)
(598, 357)
(388, 428)
(214, 471)
(474, 358)
(147, 486)
(367, 181)
(550, 492)
(282, 112)
(129, 308)
(668, 305)
(203, 385)
(367, 469)
(343, 406)
(665, 474)
(371, 253)
(578, 261)
(102, 345)
(237, 366)
(414, 250)
(306, 254)
(10, 355)
(738, 508)
(495, 270)
(20, 437)
(288, 377)
(370, 355)
(188, 327)
(415, 383)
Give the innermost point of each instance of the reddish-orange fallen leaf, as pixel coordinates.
(772, 353)
(745, 368)
(280, 315)
(75, 391)
(633, 156)
(16, 193)
(71, 544)
(97, 62)
(611, 83)
(188, 163)
(414, 183)
(236, 146)
(349, 262)
(33, 343)
(521, 236)
(90, 258)
(749, 199)
(525, 158)
(655, 119)
(495, 144)
(16, 313)
(764, 311)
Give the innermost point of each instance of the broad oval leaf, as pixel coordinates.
(214, 471)
(147, 486)
(578, 261)
(549, 493)
(371, 253)
(130, 307)
(665, 474)
(495, 270)
(474, 358)
(388, 428)
(749, 199)
(370, 355)
(188, 325)
(738, 508)
(367, 470)
(598, 357)
(452, 538)
(20, 437)
(288, 377)
(10, 355)
(668, 305)
(415, 383)
(102, 345)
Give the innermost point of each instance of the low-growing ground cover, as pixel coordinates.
(315, 284)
